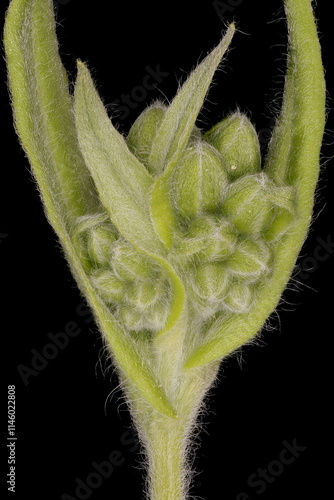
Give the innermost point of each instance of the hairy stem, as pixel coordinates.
(168, 442)
(166, 456)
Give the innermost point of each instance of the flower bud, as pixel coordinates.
(99, 242)
(143, 294)
(152, 318)
(128, 264)
(198, 181)
(156, 315)
(218, 236)
(208, 237)
(130, 317)
(110, 287)
(239, 298)
(247, 203)
(210, 281)
(250, 259)
(236, 139)
(143, 132)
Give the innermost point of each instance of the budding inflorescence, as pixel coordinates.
(182, 241)
(230, 216)
(134, 286)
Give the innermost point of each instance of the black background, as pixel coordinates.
(72, 413)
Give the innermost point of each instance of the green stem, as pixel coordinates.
(167, 441)
(166, 457)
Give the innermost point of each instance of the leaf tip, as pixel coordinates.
(80, 65)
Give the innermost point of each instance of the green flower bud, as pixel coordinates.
(236, 139)
(250, 259)
(110, 287)
(218, 237)
(156, 315)
(240, 297)
(153, 318)
(210, 281)
(198, 181)
(247, 203)
(208, 237)
(145, 293)
(99, 242)
(130, 317)
(129, 265)
(143, 132)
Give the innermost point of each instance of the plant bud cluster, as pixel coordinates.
(230, 216)
(131, 283)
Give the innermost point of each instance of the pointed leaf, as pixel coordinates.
(173, 136)
(179, 120)
(43, 111)
(293, 153)
(123, 183)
